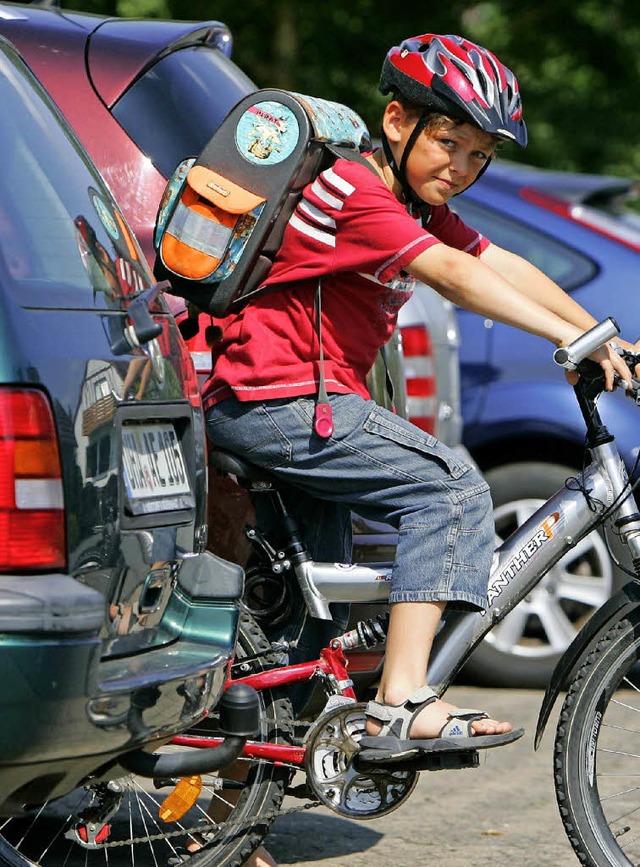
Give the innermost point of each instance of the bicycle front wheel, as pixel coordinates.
(597, 752)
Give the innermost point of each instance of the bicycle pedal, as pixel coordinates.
(444, 761)
(449, 761)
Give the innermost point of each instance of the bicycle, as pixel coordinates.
(230, 813)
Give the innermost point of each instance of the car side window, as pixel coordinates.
(566, 266)
(63, 241)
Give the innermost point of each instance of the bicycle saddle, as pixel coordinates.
(233, 464)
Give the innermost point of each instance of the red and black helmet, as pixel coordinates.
(451, 75)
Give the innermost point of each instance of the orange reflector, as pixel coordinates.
(181, 800)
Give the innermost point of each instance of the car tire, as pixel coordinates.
(520, 651)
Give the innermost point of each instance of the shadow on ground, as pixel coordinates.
(324, 837)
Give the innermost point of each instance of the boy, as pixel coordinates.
(352, 234)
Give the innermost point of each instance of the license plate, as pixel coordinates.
(155, 473)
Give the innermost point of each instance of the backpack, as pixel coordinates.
(223, 214)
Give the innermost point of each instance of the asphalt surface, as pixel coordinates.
(502, 814)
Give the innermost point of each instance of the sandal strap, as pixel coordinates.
(396, 719)
(459, 723)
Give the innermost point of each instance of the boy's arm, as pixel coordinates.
(535, 284)
(471, 283)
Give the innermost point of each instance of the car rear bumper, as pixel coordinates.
(69, 711)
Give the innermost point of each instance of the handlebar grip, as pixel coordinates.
(570, 356)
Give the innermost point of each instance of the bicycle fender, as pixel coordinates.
(615, 608)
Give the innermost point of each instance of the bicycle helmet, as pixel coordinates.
(451, 75)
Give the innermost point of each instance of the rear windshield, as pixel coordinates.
(172, 111)
(63, 241)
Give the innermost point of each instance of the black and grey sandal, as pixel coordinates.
(456, 735)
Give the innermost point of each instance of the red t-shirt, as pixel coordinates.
(351, 231)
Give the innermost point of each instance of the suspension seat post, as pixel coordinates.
(295, 547)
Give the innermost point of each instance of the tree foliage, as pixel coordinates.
(578, 63)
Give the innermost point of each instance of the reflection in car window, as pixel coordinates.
(172, 111)
(63, 241)
(564, 265)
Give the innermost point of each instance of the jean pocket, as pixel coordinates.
(248, 430)
(392, 427)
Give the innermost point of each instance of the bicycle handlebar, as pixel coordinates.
(570, 356)
(575, 357)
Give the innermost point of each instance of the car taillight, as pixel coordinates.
(32, 518)
(191, 383)
(420, 377)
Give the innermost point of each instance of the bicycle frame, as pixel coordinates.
(519, 564)
(521, 561)
(332, 666)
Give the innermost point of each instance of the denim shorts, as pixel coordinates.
(382, 467)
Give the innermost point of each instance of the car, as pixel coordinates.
(117, 626)
(142, 96)
(521, 422)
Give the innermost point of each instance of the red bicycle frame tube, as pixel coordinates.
(283, 754)
(332, 662)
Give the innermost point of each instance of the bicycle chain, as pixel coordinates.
(206, 826)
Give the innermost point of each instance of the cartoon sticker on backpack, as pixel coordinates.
(267, 133)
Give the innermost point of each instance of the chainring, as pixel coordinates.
(331, 744)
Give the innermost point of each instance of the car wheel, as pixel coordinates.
(524, 648)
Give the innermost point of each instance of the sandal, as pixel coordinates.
(393, 743)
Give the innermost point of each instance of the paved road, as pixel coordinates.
(502, 814)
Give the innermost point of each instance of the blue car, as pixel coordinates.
(521, 422)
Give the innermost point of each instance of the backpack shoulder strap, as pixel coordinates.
(347, 153)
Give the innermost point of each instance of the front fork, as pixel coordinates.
(627, 517)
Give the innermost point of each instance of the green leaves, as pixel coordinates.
(578, 63)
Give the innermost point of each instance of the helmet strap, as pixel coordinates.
(415, 132)
(386, 147)
(412, 200)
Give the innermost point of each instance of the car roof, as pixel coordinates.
(136, 42)
(574, 187)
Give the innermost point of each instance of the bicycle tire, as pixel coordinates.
(597, 752)
(264, 791)
(38, 839)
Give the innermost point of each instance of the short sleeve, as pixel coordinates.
(453, 231)
(348, 221)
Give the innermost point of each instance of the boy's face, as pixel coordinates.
(444, 160)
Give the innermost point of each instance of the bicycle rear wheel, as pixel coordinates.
(597, 752)
(231, 816)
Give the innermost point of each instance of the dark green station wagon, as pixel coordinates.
(117, 626)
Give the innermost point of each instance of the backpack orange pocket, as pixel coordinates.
(209, 213)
